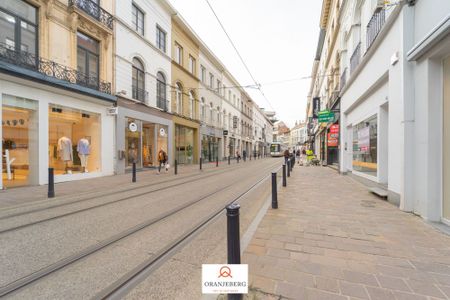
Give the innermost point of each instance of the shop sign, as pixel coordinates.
(162, 132)
(112, 111)
(326, 116)
(132, 126)
(334, 128)
(316, 107)
(225, 132)
(333, 139)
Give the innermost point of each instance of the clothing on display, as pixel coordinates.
(65, 149)
(83, 147)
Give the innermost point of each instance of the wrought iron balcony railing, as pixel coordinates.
(355, 58)
(343, 80)
(374, 26)
(94, 10)
(139, 94)
(50, 68)
(162, 103)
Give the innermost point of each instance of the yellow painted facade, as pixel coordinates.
(59, 21)
(185, 84)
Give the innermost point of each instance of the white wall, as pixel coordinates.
(130, 44)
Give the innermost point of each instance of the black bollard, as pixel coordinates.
(250, 157)
(51, 183)
(133, 176)
(176, 167)
(201, 163)
(274, 191)
(217, 161)
(228, 159)
(291, 165)
(233, 240)
(288, 168)
(284, 175)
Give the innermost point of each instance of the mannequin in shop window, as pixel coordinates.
(83, 149)
(65, 153)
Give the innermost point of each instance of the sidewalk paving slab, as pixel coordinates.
(331, 238)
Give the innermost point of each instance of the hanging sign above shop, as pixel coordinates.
(316, 107)
(132, 126)
(326, 116)
(334, 128)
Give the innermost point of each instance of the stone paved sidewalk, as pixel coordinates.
(332, 239)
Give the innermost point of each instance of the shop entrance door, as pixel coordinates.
(20, 142)
(148, 144)
(446, 142)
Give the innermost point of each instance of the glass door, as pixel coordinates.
(148, 141)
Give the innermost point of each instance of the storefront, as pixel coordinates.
(365, 147)
(210, 143)
(141, 134)
(46, 127)
(186, 141)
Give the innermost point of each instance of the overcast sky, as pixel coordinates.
(276, 38)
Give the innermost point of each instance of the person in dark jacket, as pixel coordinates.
(286, 155)
(162, 159)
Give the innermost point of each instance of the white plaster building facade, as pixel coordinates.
(143, 81)
(394, 102)
(231, 98)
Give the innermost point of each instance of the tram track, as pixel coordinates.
(49, 269)
(115, 193)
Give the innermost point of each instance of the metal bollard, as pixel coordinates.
(176, 167)
(284, 175)
(250, 157)
(201, 163)
(274, 191)
(228, 159)
(51, 183)
(233, 240)
(288, 168)
(217, 161)
(292, 164)
(133, 177)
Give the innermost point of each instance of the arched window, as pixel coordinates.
(179, 98)
(138, 80)
(191, 104)
(202, 112)
(161, 99)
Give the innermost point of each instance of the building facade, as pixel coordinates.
(143, 83)
(56, 74)
(185, 95)
(246, 123)
(230, 102)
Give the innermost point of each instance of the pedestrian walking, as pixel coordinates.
(303, 156)
(297, 156)
(162, 159)
(244, 154)
(286, 156)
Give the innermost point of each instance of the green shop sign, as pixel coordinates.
(325, 116)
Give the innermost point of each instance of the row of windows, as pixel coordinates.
(138, 21)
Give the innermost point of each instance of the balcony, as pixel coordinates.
(343, 80)
(52, 69)
(374, 26)
(355, 58)
(94, 10)
(162, 103)
(139, 94)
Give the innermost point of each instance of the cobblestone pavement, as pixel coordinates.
(332, 239)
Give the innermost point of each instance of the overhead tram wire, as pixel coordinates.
(239, 55)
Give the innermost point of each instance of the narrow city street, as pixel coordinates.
(78, 246)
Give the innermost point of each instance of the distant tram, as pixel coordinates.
(277, 149)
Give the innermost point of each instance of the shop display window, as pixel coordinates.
(133, 142)
(74, 140)
(20, 160)
(184, 144)
(365, 140)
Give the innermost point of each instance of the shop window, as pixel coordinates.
(20, 160)
(74, 140)
(19, 26)
(365, 140)
(191, 105)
